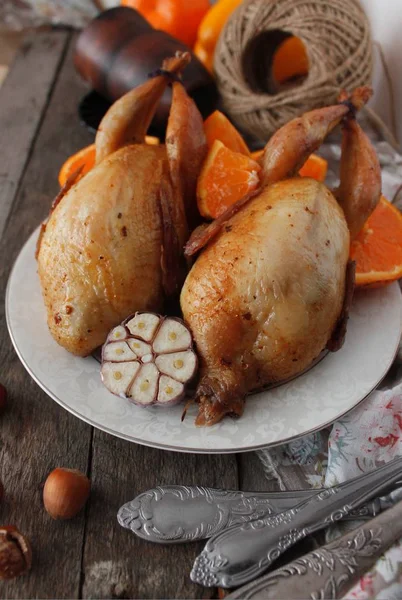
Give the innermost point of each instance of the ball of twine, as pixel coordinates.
(336, 35)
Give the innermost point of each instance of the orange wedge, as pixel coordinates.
(225, 178)
(257, 154)
(377, 249)
(218, 127)
(290, 60)
(315, 167)
(86, 158)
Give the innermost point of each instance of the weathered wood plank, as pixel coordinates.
(116, 563)
(23, 98)
(252, 476)
(36, 434)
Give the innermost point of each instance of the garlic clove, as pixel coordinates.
(118, 333)
(117, 377)
(118, 352)
(145, 387)
(170, 390)
(139, 347)
(143, 325)
(172, 337)
(179, 365)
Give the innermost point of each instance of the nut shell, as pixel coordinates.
(15, 553)
(65, 493)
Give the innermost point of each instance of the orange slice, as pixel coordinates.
(315, 167)
(86, 158)
(225, 178)
(290, 60)
(218, 127)
(257, 154)
(377, 249)
(206, 57)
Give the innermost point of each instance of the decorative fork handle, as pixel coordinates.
(243, 552)
(332, 570)
(178, 513)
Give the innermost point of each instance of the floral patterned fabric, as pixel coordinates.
(366, 438)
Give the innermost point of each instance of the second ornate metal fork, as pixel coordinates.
(242, 553)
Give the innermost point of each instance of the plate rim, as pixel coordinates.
(172, 448)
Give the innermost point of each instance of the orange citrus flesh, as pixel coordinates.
(206, 57)
(225, 178)
(180, 18)
(377, 249)
(315, 167)
(86, 158)
(218, 127)
(290, 60)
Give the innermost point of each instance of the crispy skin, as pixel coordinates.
(186, 148)
(263, 298)
(128, 119)
(100, 254)
(290, 147)
(360, 188)
(292, 144)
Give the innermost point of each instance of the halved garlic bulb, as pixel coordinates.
(149, 359)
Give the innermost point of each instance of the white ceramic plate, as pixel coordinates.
(311, 401)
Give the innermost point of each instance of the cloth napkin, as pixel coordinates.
(364, 439)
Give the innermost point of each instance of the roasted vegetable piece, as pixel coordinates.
(149, 359)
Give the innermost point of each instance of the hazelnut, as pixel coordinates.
(65, 493)
(3, 397)
(15, 553)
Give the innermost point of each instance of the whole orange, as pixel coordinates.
(180, 18)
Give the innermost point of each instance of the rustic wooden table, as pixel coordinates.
(90, 556)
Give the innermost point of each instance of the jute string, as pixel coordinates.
(337, 38)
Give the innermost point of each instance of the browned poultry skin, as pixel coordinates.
(263, 299)
(100, 260)
(128, 120)
(186, 148)
(289, 148)
(113, 245)
(360, 188)
(266, 295)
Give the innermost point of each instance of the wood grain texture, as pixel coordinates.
(116, 563)
(36, 434)
(23, 99)
(252, 476)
